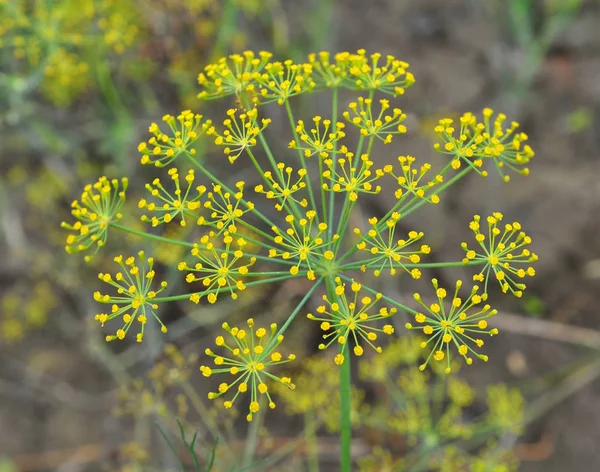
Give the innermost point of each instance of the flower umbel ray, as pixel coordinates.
(184, 130)
(249, 358)
(175, 205)
(100, 204)
(223, 269)
(382, 126)
(342, 319)
(301, 244)
(409, 182)
(285, 191)
(133, 301)
(351, 178)
(454, 325)
(477, 141)
(241, 130)
(503, 252)
(226, 208)
(388, 253)
(316, 140)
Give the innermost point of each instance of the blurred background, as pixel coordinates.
(80, 81)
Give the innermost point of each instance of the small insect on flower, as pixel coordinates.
(134, 299)
(100, 205)
(342, 319)
(500, 254)
(252, 355)
(453, 325)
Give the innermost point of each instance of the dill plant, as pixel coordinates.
(300, 219)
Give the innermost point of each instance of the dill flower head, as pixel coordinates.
(388, 253)
(100, 205)
(226, 208)
(232, 75)
(388, 75)
(284, 192)
(241, 130)
(503, 252)
(218, 269)
(383, 125)
(453, 325)
(353, 319)
(134, 298)
(476, 141)
(249, 359)
(170, 206)
(304, 242)
(184, 130)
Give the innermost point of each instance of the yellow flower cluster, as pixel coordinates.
(388, 253)
(503, 252)
(312, 238)
(383, 126)
(163, 148)
(100, 205)
(477, 141)
(251, 355)
(410, 180)
(303, 244)
(320, 140)
(241, 130)
(173, 206)
(226, 208)
(350, 178)
(453, 325)
(284, 192)
(219, 268)
(257, 79)
(134, 299)
(343, 320)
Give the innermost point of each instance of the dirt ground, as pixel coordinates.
(463, 58)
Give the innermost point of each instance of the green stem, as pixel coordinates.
(186, 296)
(424, 265)
(154, 237)
(312, 450)
(437, 191)
(383, 297)
(214, 178)
(311, 194)
(346, 411)
(296, 310)
(334, 119)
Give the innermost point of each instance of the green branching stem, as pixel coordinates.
(186, 296)
(346, 413)
(311, 194)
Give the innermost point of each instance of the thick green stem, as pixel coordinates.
(346, 411)
(310, 436)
